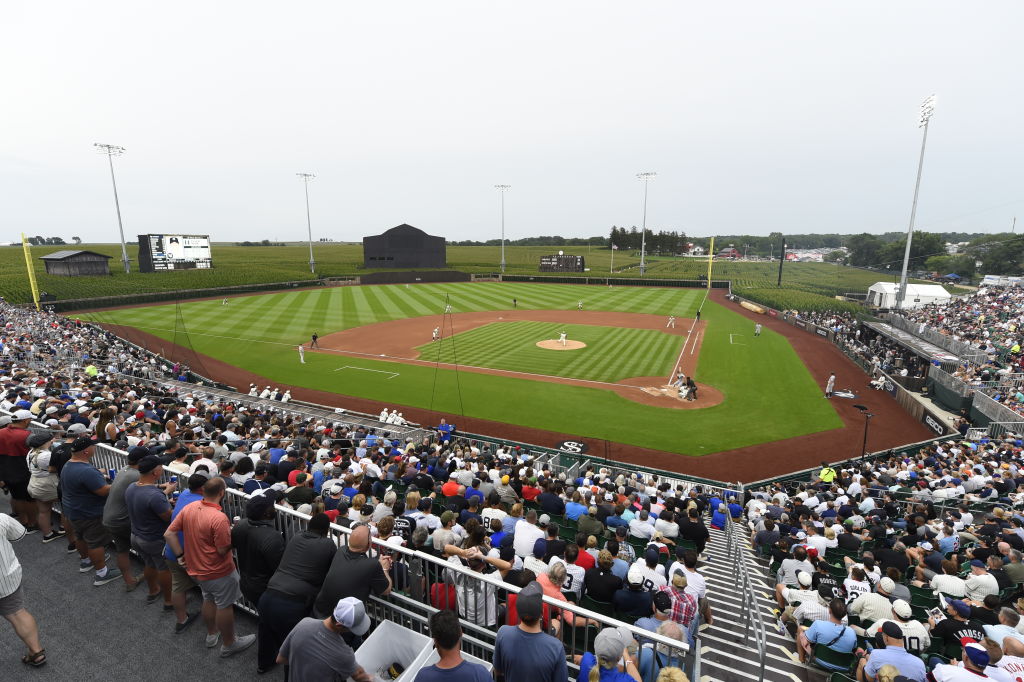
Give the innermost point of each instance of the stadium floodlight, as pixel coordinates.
(306, 177)
(927, 109)
(645, 177)
(502, 189)
(112, 150)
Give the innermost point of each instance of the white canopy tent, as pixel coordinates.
(883, 295)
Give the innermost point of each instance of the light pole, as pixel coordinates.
(927, 109)
(112, 150)
(646, 178)
(306, 177)
(502, 189)
(867, 420)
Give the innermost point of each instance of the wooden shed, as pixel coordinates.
(76, 263)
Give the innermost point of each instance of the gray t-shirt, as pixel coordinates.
(115, 512)
(316, 653)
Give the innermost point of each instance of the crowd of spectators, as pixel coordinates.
(625, 545)
(911, 561)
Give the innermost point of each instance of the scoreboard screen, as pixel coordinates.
(158, 252)
(561, 263)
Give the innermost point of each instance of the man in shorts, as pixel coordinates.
(150, 514)
(14, 468)
(83, 495)
(115, 516)
(206, 556)
(12, 606)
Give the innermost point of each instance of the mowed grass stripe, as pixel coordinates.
(615, 348)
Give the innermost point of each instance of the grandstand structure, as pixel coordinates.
(745, 641)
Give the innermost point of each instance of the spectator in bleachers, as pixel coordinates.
(684, 604)
(612, 646)
(258, 545)
(661, 611)
(975, 660)
(980, 582)
(652, 569)
(957, 624)
(1006, 627)
(893, 654)
(84, 491)
(600, 582)
(149, 515)
(524, 653)
(915, 635)
(832, 632)
(633, 600)
(42, 485)
(791, 565)
(353, 574)
(589, 524)
(873, 606)
(446, 632)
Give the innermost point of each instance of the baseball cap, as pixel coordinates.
(446, 517)
(506, 552)
(529, 603)
(35, 440)
(961, 607)
(804, 578)
(662, 603)
(975, 652)
(351, 613)
(891, 629)
(608, 497)
(886, 585)
(76, 429)
(5, 420)
(148, 463)
(544, 520)
(22, 415)
(336, 489)
(975, 563)
(540, 547)
(608, 644)
(136, 454)
(81, 444)
(426, 503)
(902, 609)
(635, 576)
(926, 545)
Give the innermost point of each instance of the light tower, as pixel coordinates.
(112, 150)
(306, 177)
(502, 189)
(645, 177)
(927, 109)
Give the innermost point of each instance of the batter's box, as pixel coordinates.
(391, 375)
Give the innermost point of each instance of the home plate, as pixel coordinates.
(667, 391)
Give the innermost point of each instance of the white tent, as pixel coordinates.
(883, 295)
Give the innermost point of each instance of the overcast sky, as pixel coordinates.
(757, 116)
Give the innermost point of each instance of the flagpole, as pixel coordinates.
(611, 268)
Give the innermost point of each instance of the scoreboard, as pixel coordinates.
(561, 263)
(159, 252)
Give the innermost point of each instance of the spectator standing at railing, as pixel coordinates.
(14, 468)
(354, 574)
(115, 515)
(524, 653)
(319, 649)
(206, 556)
(258, 545)
(293, 587)
(42, 485)
(446, 632)
(149, 514)
(84, 492)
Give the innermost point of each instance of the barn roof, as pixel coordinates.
(64, 255)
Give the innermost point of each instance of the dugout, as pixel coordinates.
(404, 246)
(76, 263)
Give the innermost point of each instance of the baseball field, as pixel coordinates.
(489, 363)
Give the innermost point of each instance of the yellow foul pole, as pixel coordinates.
(711, 259)
(31, 273)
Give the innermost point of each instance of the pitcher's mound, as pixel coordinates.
(554, 344)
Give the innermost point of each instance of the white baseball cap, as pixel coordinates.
(351, 613)
(22, 415)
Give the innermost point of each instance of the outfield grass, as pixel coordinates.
(259, 333)
(612, 354)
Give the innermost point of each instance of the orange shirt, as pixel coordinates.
(450, 488)
(205, 528)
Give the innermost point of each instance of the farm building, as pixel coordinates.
(883, 295)
(728, 253)
(404, 246)
(76, 263)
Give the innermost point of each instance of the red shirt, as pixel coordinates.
(205, 528)
(451, 488)
(585, 560)
(12, 442)
(530, 493)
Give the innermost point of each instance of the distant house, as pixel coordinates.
(696, 250)
(76, 263)
(728, 253)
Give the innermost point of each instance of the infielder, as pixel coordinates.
(671, 322)
(224, 302)
(436, 335)
(561, 338)
(302, 354)
(579, 305)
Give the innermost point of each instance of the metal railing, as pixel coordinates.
(961, 349)
(993, 409)
(950, 382)
(415, 574)
(753, 622)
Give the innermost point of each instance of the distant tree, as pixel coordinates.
(1000, 254)
(923, 246)
(76, 240)
(835, 257)
(864, 249)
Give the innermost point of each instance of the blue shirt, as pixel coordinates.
(573, 510)
(252, 485)
(78, 480)
(824, 631)
(276, 454)
(948, 543)
(909, 665)
(463, 672)
(620, 568)
(186, 498)
(529, 656)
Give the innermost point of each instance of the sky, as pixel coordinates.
(791, 116)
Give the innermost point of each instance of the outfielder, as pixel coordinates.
(757, 329)
(302, 354)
